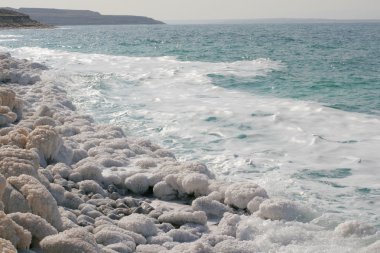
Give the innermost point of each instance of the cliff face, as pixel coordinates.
(83, 17)
(13, 19)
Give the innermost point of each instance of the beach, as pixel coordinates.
(70, 184)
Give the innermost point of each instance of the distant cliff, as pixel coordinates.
(82, 17)
(13, 19)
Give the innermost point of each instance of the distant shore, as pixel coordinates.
(10, 19)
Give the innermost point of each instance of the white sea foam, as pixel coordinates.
(10, 36)
(304, 150)
(7, 40)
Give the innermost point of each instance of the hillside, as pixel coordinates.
(13, 19)
(82, 17)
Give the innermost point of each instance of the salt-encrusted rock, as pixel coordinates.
(148, 144)
(213, 239)
(71, 200)
(164, 191)
(3, 184)
(44, 121)
(159, 239)
(281, 209)
(196, 229)
(58, 193)
(107, 237)
(68, 131)
(76, 240)
(254, 204)
(65, 154)
(150, 248)
(138, 238)
(40, 200)
(211, 207)
(6, 246)
(165, 227)
(180, 218)
(228, 225)
(239, 194)
(90, 171)
(354, 228)
(78, 155)
(195, 183)
(11, 231)
(6, 116)
(46, 141)
(180, 235)
(138, 183)
(195, 247)
(16, 161)
(117, 248)
(43, 111)
(84, 220)
(235, 246)
(14, 201)
(90, 186)
(39, 227)
(61, 169)
(164, 153)
(246, 231)
(175, 168)
(68, 224)
(15, 137)
(139, 223)
(7, 97)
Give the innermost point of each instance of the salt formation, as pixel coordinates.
(71, 240)
(16, 162)
(279, 209)
(70, 185)
(40, 200)
(181, 218)
(37, 226)
(354, 228)
(139, 223)
(6, 246)
(11, 231)
(240, 194)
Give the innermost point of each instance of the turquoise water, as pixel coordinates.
(295, 107)
(334, 64)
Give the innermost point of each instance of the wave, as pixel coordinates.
(10, 36)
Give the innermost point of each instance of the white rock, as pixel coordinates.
(239, 194)
(354, 228)
(280, 209)
(138, 223)
(138, 183)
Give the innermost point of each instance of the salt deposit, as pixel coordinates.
(68, 184)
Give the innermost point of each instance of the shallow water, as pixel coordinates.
(294, 107)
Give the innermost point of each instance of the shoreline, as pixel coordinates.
(52, 159)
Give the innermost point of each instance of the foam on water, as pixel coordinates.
(301, 150)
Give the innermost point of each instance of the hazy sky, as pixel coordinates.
(218, 9)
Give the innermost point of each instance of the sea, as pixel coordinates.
(292, 107)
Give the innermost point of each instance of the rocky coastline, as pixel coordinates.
(56, 198)
(10, 19)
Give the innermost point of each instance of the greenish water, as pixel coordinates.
(334, 64)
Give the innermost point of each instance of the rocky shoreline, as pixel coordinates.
(10, 19)
(56, 198)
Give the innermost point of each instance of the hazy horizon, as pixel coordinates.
(174, 10)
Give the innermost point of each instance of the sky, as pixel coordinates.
(217, 9)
